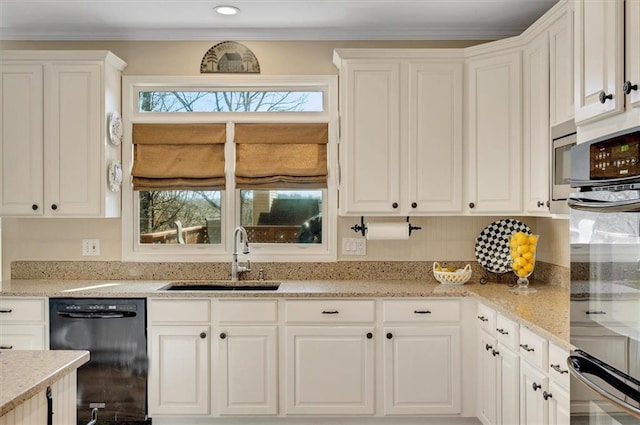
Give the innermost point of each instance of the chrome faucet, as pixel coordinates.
(237, 269)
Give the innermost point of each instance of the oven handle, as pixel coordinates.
(580, 364)
(96, 315)
(632, 205)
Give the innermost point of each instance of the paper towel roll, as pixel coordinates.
(387, 231)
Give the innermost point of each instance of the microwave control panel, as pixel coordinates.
(615, 158)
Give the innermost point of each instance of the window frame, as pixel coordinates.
(132, 250)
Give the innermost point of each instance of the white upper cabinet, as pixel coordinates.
(631, 85)
(494, 133)
(55, 117)
(536, 140)
(401, 131)
(561, 87)
(599, 59)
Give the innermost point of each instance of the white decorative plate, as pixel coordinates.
(115, 129)
(114, 176)
(492, 245)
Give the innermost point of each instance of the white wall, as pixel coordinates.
(442, 238)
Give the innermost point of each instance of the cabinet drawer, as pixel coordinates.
(330, 311)
(533, 348)
(421, 311)
(507, 332)
(486, 318)
(179, 311)
(22, 337)
(246, 311)
(558, 370)
(22, 310)
(604, 311)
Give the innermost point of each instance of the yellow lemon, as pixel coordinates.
(533, 239)
(523, 249)
(532, 248)
(527, 256)
(528, 267)
(521, 261)
(522, 238)
(515, 266)
(522, 272)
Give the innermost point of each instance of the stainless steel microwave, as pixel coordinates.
(563, 138)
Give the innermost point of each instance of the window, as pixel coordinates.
(262, 124)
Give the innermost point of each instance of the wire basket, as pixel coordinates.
(458, 277)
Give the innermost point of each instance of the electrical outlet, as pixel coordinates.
(91, 247)
(354, 246)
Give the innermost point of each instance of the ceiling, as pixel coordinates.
(267, 19)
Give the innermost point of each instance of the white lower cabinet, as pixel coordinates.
(329, 357)
(487, 380)
(179, 350)
(23, 323)
(508, 369)
(533, 384)
(246, 359)
(559, 401)
(421, 357)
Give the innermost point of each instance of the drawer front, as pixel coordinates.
(507, 332)
(329, 311)
(22, 310)
(246, 311)
(558, 370)
(604, 311)
(421, 311)
(533, 348)
(179, 311)
(486, 317)
(22, 337)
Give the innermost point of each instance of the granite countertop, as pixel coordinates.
(546, 311)
(25, 373)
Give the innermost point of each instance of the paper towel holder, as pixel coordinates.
(362, 229)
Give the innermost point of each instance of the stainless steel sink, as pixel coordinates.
(222, 285)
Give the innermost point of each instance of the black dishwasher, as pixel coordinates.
(114, 381)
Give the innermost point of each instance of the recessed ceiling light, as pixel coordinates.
(226, 10)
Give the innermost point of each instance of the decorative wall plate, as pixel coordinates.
(229, 57)
(492, 246)
(114, 176)
(115, 129)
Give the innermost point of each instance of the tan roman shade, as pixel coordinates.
(178, 156)
(281, 156)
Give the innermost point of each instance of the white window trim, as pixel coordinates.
(132, 85)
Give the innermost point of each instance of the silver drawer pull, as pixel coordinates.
(556, 367)
(421, 312)
(330, 312)
(502, 331)
(5, 310)
(525, 347)
(6, 347)
(595, 312)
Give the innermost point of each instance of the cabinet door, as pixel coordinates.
(487, 380)
(494, 133)
(537, 138)
(21, 139)
(248, 370)
(434, 155)
(533, 407)
(422, 370)
(561, 69)
(179, 370)
(329, 370)
(632, 49)
(73, 141)
(370, 140)
(558, 400)
(599, 60)
(508, 386)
